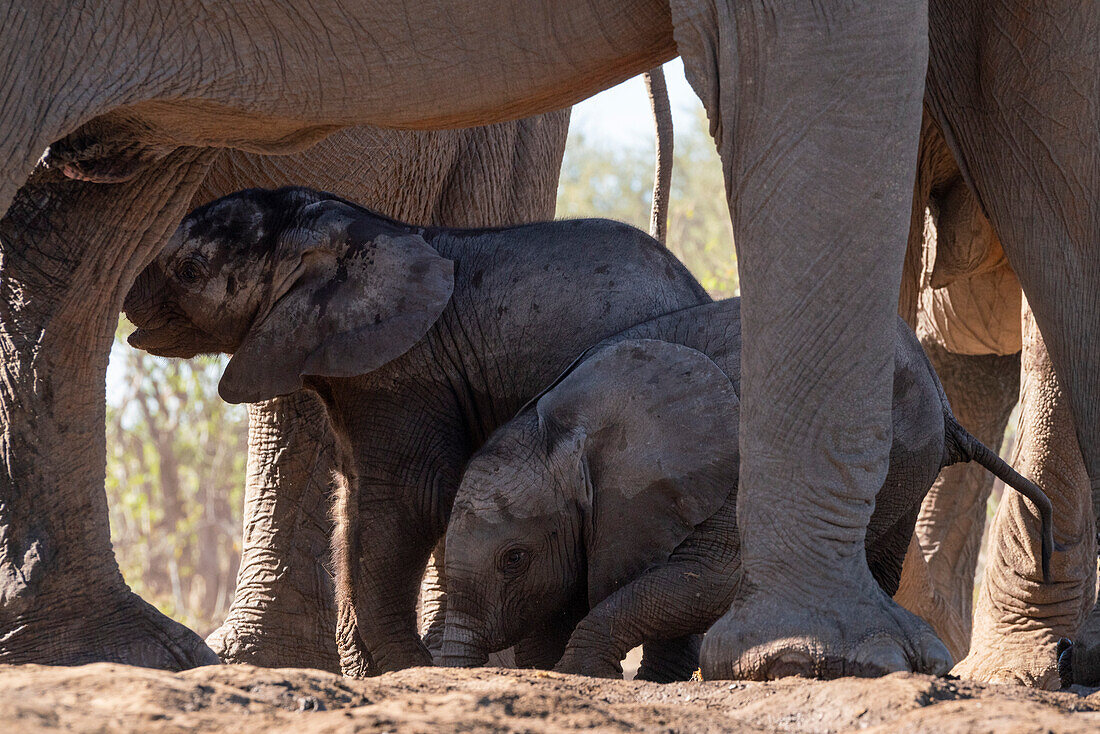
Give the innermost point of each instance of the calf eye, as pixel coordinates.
(189, 271)
(514, 560)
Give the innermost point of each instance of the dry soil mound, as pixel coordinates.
(242, 699)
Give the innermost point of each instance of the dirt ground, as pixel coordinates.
(243, 699)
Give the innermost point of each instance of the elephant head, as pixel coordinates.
(291, 282)
(609, 470)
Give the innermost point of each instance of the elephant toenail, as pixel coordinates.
(880, 655)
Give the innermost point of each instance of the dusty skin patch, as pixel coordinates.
(243, 699)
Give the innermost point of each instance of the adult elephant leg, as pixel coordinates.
(1019, 619)
(69, 253)
(982, 391)
(283, 612)
(917, 592)
(816, 109)
(1028, 138)
(969, 325)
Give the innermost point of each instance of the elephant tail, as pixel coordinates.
(961, 446)
(662, 175)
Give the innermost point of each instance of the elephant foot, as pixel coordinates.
(433, 641)
(577, 661)
(1078, 664)
(125, 629)
(590, 651)
(266, 645)
(1021, 658)
(391, 657)
(861, 633)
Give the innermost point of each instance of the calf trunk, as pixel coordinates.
(463, 645)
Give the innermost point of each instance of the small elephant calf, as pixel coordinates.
(418, 340)
(604, 515)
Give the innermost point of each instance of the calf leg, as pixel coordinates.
(681, 597)
(666, 661)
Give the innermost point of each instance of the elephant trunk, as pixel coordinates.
(464, 645)
(141, 300)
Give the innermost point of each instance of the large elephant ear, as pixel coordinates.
(354, 295)
(659, 426)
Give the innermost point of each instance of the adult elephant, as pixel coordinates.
(816, 111)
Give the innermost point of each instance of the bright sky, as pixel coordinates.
(621, 115)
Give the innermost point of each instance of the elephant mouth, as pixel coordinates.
(177, 341)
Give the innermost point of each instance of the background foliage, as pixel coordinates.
(175, 482)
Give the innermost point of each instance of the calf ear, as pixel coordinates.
(355, 298)
(659, 455)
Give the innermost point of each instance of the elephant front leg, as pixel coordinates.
(1019, 619)
(816, 108)
(283, 612)
(673, 601)
(68, 253)
(667, 661)
(380, 556)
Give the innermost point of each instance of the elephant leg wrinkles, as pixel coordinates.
(819, 298)
(392, 552)
(62, 598)
(677, 599)
(982, 391)
(1028, 142)
(1019, 619)
(284, 611)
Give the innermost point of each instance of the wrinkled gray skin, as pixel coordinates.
(970, 324)
(605, 512)
(420, 341)
(1018, 621)
(815, 108)
(283, 612)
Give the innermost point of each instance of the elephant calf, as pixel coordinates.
(603, 515)
(419, 341)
